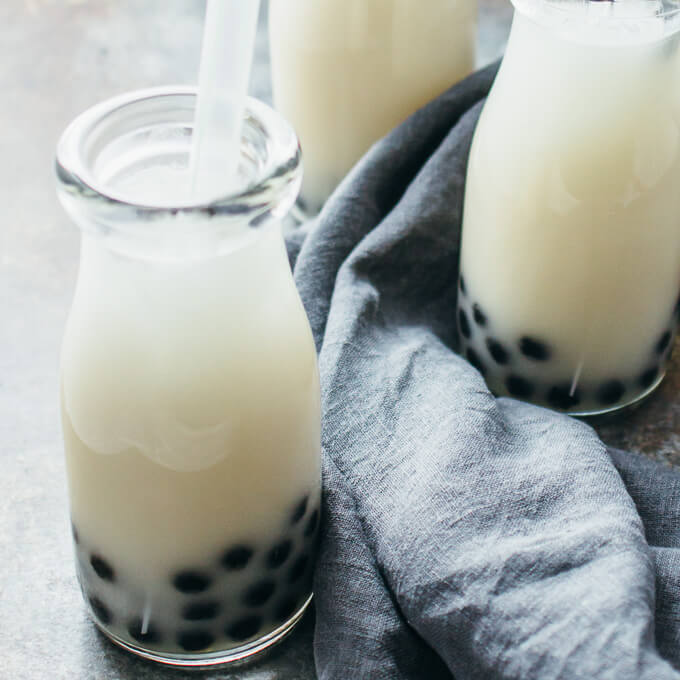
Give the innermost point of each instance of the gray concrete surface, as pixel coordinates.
(58, 57)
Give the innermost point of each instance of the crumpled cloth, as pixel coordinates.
(464, 535)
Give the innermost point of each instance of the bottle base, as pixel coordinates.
(624, 407)
(600, 411)
(232, 656)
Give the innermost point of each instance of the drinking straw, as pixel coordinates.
(226, 58)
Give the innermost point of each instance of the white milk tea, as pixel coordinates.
(570, 264)
(345, 72)
(191, 415)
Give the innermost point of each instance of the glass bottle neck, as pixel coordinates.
(122, 176)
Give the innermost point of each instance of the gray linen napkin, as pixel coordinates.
(464, 535)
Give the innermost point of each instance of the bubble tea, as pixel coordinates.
(345, 72)
(189, 387)
(570, 262)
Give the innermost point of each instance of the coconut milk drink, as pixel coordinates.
(345, 72)
(570, 265)
(190, 397)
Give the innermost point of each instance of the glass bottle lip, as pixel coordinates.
(274, 183)
(606, 14)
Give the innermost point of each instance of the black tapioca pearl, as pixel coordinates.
(279, 554)
(534, 349)
(201, 611)
(311, 523)
(474, 359)
(298, 569)
(195, 640)
(498, 353)
(237, 557)
(463, 290)
(478, 315)
(463, 323)
(244, 628)
(148, 635)
(100, 610)
(519, 387)
(610, 392)
(74, 533)
(190, 581)
(663, 342)
(259, 593)
(647, 378)
(299, 512)
(102, 568)
(285, 608)
(561, 397)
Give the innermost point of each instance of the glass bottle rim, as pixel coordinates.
(275, 182)
(667, 11)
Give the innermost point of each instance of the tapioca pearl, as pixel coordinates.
(562, 397)
(647, 378)
(311, 523)
(663, 342)
(195, 640)
(102, 568)
(474, 359)
(244, 628)
(610, 392)
(478, 315)
(285, 608)
(100, 610)
(300, 510)
(498, 353)
(201, 611)
(298, 569)
(519, 387)
(190, 581)
(237, 557)
(278, 554)
(463, 323)
(144, 634)
(534, 349)
(259, 593)
(463, 290)
(74, 533)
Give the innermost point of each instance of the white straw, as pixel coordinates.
(226, 58)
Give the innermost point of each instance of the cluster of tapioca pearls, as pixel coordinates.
(283, 589)
(500, 356)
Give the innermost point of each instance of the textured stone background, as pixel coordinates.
(58, 57)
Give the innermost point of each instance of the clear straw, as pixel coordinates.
(226, 59)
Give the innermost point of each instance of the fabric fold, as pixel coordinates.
(464, 536)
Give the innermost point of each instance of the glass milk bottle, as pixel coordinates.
(570, 261)
(345, 72)
(189, 388)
